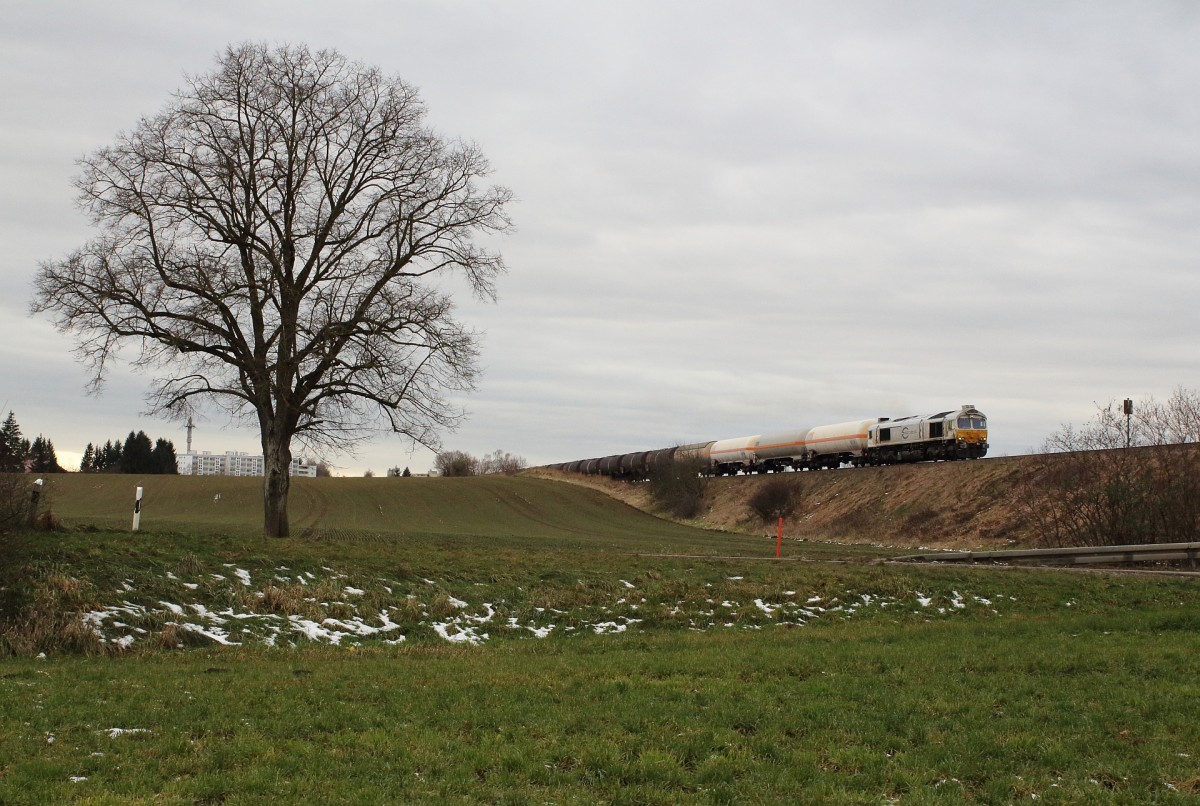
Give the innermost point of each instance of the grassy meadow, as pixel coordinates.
(522, 641)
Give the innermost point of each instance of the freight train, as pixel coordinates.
(947, 435)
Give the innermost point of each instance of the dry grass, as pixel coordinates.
(973, 504)
(287, 600)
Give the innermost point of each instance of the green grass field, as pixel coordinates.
(521, 641)
(358, 509)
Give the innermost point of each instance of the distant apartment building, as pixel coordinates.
(234, 463)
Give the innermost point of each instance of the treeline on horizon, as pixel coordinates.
(135, 454)
(19, 455)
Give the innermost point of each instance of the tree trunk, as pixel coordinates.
(277, 460)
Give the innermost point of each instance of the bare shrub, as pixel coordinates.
(680, 486)
(775, 498)
(1088, 489)
(14, 500)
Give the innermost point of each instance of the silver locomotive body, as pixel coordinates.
(960, 434)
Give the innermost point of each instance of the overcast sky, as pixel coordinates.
(730, 218)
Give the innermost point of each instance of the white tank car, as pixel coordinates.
(732, 454)
(830, 445)
(781, 449)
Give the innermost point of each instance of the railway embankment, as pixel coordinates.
(961, 505)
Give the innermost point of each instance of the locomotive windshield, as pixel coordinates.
(978, 423)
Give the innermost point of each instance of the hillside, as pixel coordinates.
(954, 504)
(494, 508)
(935, 504)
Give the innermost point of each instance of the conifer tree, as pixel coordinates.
(163, 459)
(13, 447)
(111, 457)
(137, 455)
(43, 458)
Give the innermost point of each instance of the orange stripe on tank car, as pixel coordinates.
(780, 445)
(790, 444)
(835, 439)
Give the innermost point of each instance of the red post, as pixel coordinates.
(779, 540)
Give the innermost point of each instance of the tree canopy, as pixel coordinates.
(273, 241)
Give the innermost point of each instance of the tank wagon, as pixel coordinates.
(947, 435)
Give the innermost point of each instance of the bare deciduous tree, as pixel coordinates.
(268, 242)
(1088, 489)
(456, 463)
(502, 462)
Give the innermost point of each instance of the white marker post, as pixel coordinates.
(137, 509)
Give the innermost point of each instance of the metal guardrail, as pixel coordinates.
(1085, 555)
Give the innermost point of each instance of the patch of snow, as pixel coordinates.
(461, 635)
(314, 631)
(609, 627)
(204, 612)
(243, 576)
(212, 633)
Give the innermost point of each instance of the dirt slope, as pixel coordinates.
(934, 504)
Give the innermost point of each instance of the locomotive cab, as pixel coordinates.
(968, 426)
